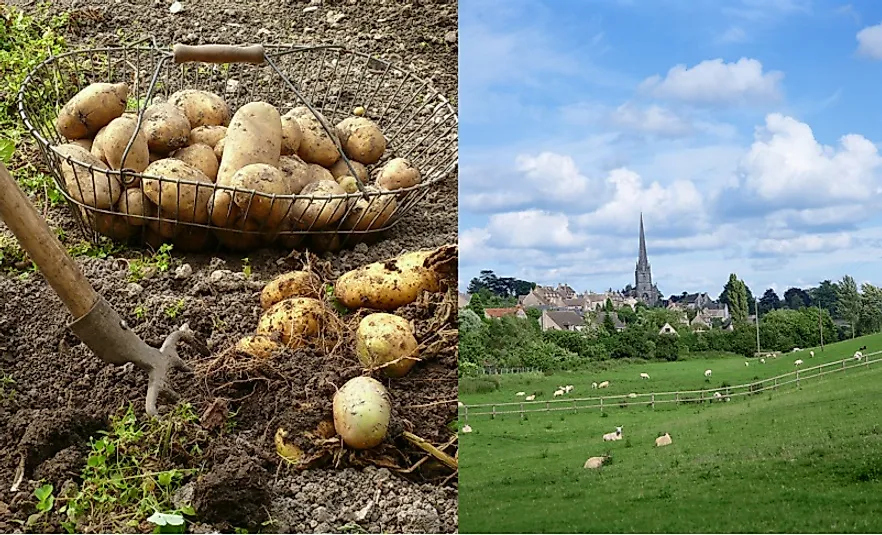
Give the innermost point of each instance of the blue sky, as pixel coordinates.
(747, 132)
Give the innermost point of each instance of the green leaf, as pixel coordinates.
(165, 478)
(95, 461)
(43, 492)
(188, 510)
(7, 148)
(165, 519)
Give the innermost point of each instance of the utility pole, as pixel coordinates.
(820, 325)
(756, 311)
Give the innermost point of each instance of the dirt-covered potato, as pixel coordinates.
(291, 135)
(202, 108)
(398, 173)
(322, 210)
(176, 199)
(298, 172)
(200, 156)
(262, 178)
(209, 135)
(136, 206)
(154, 156)
(392, 283)
(362, 411)
(348, 183)
(316, 146)
(293, 319)
(219, 149)
(254, 136)
(110, 143)
(319, 173)
(386, 341)
(339, 170)
(183, 237)
(361, 139)
(242, 234)
(92, 188)
(370, 213)
(165, 127)
(258, 346)
(86, 143)
(91, 110)
(287, 285)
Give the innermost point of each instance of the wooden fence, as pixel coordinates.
(659, 398)
(506, 371)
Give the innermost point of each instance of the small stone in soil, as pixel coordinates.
(183, 272)
(177, 7)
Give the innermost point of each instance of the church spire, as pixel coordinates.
(642, 261)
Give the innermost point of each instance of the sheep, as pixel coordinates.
(596, 462)
(762, 361)
(519, 394)
(707, 373)
(531, 397)
(812, 353)
(558, 393)
(593, 385)
(644, 376)
(746, 363)
(798, 362)
(862, 348)
(466, 428)
(613, 436)
(717, 395)
(663, 440)
(632, 395)
(858, 355)
(603, 384)
(796, 350)
(459, 404)
(568, 388)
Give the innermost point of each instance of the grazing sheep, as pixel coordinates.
(558, 393)
(762, 361)
(812, 353)
(613, 436)
(568, 388)
(603, 384)
(663, 440)
(707, 373)
(798, 362)
(717, 395)
(466, 428)
(632, 395)
(796, 350)
(747, 363)
(593, 385)
(596, 462)
(644, 376)
(521, 394)
(858, 355)
(531, 397)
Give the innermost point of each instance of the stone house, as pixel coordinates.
(496, 313)
(667, 329)
(561, 320)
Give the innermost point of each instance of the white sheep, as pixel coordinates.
(466, 428)
(603, 384)
(796, 349)
(613, 436)
(531, 397)
(762, 361)
(812, 353)
(568, 388)
(707, 373)
(747, 363)
(521, 394)
(663, 440)
(858, 355)
(798, 362)
(596, 462)
(558, 393)
(632, 395)
(644, 376)
(459, 404)
(717, 395)
(594, 385)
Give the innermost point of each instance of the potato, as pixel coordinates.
(223, 211)
(299, 173)
(291, 135)
(219, 149)
(113, 226)
(243, 235)
(348, 184)
(92, 188)
(91, 110)
(184, 238)
(398, 173)
(316, 146)
(382, 339)
(290, 240)
(361, 139)
(293, 319)
(254, 136)
(362, 411)
(289, 451)
(319, 173)
(86, 143)
(339, 170)
(291, 284)
(262, 178)
(200, 156)
(330, 242)
(202, 108)
(389, 284)
(155, 156)
(258, 347)
(177, 200)
(209, 135)
(370, 213)
(111, 141)
(136, 206)
(321, 210)
(166, 128)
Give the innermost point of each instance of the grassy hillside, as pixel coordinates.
(808, 460)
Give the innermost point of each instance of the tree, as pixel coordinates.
(796, 298)
(627, 315)
(769, 302)
(504, 287)
(871, 309)
(825, 295)
(476, 304)
(735, 295)
(608, 323)
(848, 302)
(691, 313)
(608, 305)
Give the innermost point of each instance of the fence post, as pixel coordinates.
(493, 416)
(797, 378)
(601, 405)
(701, 396)
(653, 400)
(547, 405)
(465, 415)
(775, 386)
(678, 398)
(522, 411)
(574, 406)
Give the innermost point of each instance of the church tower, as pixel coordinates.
(644, 289)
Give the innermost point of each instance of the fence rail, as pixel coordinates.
(660, 398)
(506, 371)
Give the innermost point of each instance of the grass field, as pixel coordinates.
(805, 461)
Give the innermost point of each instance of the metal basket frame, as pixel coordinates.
(419, 124)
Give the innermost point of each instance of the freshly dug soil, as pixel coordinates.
(63, 395)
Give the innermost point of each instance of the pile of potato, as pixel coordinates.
(294, 314)
(194, 143)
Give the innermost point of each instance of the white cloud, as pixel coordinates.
(554, 175)
(806, 243)
(716, 82)
(651, 120)
(532, 229)
(870, 41)
(733, 34)
(786, 165)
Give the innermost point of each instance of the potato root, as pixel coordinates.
(398, 173)
(362, 411)
(200, 156)
(102, 192)
(166, 128)
(91, 110)
(202, 108)
(316, 146)
(386, 341)
(175, 199)
(361, 139)
(287, 285)
(293, 320)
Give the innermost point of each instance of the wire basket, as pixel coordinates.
(418, 123)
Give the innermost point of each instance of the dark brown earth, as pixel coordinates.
(63, 394)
